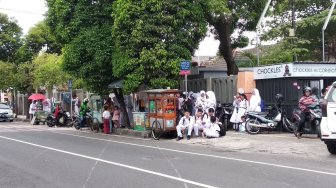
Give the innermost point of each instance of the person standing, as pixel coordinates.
(110, 107)
(116, 117)
(76, 105)
(235, 116)
(32, 109)
(255, 101)
(106, 119)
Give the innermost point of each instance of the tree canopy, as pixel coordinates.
(152, 38)
(84, 27)
(10, 33)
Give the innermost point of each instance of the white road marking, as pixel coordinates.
(207, 155)
(112, 163)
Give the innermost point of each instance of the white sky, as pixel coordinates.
(29, 12)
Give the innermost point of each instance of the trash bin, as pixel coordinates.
(139, 120)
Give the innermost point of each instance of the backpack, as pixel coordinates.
(184, 120)
(222, 130)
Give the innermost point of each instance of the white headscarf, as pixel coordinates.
(255, 101)
(211, 101)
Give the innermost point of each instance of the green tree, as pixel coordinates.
(152, 38)
(84, 27)
(48, 71)
(236, 16)
(6, 75)
(10, 34)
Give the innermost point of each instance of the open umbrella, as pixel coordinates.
(37, 96)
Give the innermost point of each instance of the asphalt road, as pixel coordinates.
(38, 156)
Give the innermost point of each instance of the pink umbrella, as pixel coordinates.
(37, 96)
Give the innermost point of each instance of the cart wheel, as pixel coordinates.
(156, 130)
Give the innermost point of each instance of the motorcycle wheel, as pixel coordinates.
(288, 125)
(50, 124)
(251, 129)
(94, 125)
(156, 130)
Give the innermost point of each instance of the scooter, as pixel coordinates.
(255, 121)
(224, 113)
(312, 124)
(90, 122)
(64, 120)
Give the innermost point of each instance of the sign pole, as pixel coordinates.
(70, 88)
(186, 79)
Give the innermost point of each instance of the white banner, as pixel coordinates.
(274, 71)
(314, 70)
(295, 70)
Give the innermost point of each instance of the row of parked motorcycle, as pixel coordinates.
(274, 117)
(66, 120)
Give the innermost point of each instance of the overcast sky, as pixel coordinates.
(29, 12)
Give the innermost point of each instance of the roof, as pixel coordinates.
(161, 91)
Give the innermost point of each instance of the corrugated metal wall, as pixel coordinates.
(224, 88)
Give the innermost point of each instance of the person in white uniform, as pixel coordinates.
(185, 123)
(201, 101)
(210, 101)
(200, 122)
(255, 101)
(213, 130)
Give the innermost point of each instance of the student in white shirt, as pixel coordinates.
(186, 122)
(213, 131)
(200, 121)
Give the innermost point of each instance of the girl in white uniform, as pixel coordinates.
(255, 101)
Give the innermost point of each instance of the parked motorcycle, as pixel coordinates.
(255, 121)
(91, 122)
(312, 124)
(224, 113)
(64, 120)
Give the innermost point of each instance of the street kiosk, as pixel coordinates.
(161, 105)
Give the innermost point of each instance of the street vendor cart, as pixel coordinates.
(161, 105)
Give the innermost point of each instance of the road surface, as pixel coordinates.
(39, 156)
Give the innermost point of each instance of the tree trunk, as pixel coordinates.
(223, 30)
(120, 98)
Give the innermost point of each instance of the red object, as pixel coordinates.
(57, 111)
(37, 96)
(106, 126)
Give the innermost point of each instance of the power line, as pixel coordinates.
(21, 11)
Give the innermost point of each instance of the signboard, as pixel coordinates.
(70, 83)
(295, 70)
(185, 68)
(314, 70)
(274, 71)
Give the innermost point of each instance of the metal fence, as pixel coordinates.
(224, 88)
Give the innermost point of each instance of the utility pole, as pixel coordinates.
(293, 27)
(258, 28)
(325, 27)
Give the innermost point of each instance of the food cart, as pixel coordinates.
(161, 105)
(96, 104)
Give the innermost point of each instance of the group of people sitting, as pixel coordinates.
(203, 122)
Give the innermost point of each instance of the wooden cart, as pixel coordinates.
(161, 105)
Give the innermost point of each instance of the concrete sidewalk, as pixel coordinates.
(272, 143)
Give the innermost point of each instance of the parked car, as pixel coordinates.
(6, 113)
(328, 123)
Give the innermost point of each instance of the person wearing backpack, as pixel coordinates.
(200, 122)
(185, 123)
(213, 130)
